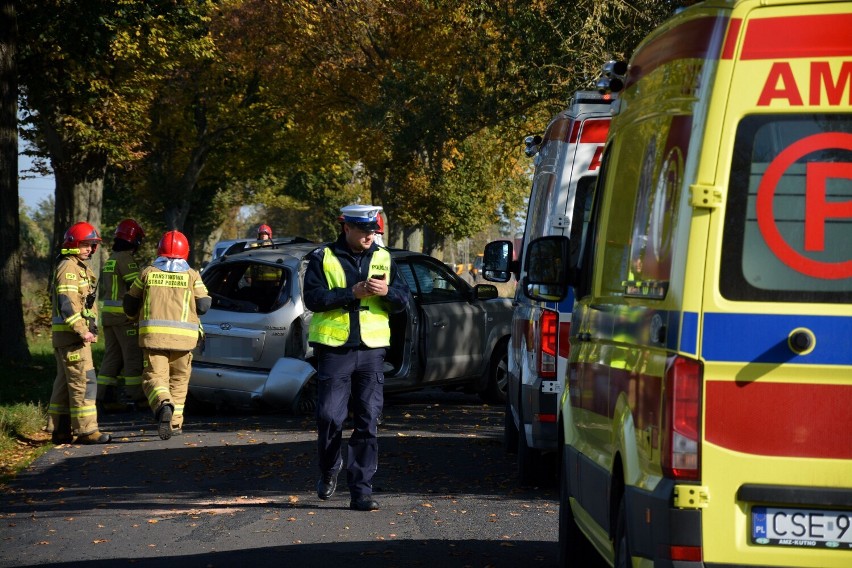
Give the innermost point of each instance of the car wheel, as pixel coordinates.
(510, 431)
(622, 555)
(574, 548)
(498, 374)
(306, 401)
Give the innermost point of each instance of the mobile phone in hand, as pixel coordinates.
(378, 276)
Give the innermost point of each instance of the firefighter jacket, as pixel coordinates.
(339, 319)
(168, 298)
(74, 308)
(117, 275)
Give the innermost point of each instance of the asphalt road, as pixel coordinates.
(239, 490)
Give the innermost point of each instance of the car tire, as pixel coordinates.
(574, 548)
(622, 552)
(510, 431)
(498, 374)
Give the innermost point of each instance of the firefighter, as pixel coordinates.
(73, 411)
(171, 296)
(351, 285)
(264, 237)
(121, 367)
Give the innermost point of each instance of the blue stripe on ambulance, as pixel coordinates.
(762, 338)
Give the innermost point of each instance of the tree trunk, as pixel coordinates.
(13, 339)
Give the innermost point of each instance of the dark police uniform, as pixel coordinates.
(352, 367)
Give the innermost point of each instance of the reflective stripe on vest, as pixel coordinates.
(332, 327)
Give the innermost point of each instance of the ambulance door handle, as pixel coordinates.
(584, 337)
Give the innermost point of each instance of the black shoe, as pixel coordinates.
(164, 418)
(177, 431)
(364, 503)
(326, 485)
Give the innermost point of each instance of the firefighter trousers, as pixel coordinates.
(75, 389)
(122, 360)
(165, 378)
(343, 373)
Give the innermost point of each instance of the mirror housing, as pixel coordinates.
(485, 292)
(497, 261)
(547, 275)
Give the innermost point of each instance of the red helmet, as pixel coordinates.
(381, 222)
(264, 229)
(78, 232)
(173, 245)
(130, 231)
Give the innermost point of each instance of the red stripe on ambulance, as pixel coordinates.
(696, 39)
(779, 419)
(825, 35)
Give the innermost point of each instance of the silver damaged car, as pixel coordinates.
(255, 352)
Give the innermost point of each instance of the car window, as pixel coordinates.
(429, 282)
(246, 286)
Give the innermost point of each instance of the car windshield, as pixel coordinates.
(246, 286)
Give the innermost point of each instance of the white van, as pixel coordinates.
(567, 159)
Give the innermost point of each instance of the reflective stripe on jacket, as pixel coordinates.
(117, 275)
(332, 327)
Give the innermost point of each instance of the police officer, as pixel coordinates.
(73, 412)
(351, 285)
(122, 355)
(171, 296)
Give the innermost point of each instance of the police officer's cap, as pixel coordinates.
(365, 217)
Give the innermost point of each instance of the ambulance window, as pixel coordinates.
(644, 207)
(788, 224)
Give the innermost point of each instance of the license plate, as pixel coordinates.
(808, 528)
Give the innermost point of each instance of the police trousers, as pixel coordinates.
(343, 373)
(75, 388)
(165, 378)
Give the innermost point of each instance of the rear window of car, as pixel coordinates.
(788, 223)
(247, 286)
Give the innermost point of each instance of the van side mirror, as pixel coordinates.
(546, 269)
(497, 263)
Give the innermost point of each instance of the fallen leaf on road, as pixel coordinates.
(100, 541)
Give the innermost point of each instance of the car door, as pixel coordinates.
(452, 337)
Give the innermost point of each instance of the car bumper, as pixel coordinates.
(247, 388)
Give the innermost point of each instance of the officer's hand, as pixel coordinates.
(90, 337)
(377, 287)
(361, 290)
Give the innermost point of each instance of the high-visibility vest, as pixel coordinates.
(332, 327)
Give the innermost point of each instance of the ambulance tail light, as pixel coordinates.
(681, 426)
(548, 330)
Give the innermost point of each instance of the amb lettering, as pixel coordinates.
(168, 279)
(781, 85)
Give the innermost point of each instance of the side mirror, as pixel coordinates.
(497, 263)
(485, 292)
(546, 267)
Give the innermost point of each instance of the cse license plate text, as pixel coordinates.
(810, 528)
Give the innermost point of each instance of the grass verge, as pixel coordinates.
(24, 396)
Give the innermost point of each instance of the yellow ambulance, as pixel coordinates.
(706, 418)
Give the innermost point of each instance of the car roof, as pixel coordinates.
(295, 251)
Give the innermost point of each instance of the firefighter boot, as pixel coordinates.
(96, 437)
(62, 430)
(164, 420)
